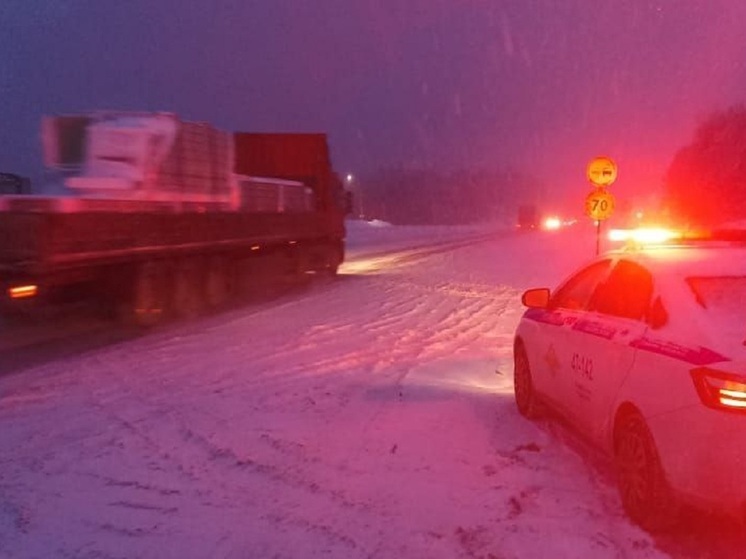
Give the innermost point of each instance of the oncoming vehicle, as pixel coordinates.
(643, 352)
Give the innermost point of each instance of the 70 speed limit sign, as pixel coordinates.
(599, 204)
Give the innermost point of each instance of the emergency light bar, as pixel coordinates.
(660, 235)
(644, 235)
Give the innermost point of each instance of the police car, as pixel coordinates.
(644, 352)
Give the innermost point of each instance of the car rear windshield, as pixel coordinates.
(724, 300)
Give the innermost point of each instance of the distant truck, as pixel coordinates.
(155, 216)
(528, 217)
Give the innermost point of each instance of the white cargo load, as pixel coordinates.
(142, 156)
(270, 195)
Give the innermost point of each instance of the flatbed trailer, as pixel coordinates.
(147, 259)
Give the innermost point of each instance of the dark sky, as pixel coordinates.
(537, 85)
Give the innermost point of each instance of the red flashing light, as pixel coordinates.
(644, 235)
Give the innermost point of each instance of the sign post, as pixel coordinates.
(599, 204)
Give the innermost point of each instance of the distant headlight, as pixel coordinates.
(552, 223)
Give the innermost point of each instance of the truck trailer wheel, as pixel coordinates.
(322, 260)
(187, 288)
(145, 302)
(332, 260)
(217, 282)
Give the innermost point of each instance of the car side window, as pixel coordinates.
(626, 292)
(576, 292)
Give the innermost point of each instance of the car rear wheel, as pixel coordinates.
(523, 384)
(644, 491)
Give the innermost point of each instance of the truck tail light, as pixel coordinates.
(719, 390)
(23, 291)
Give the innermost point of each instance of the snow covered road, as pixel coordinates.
(370, 417)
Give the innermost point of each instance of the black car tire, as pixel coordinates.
(643, 488)
(523, 384)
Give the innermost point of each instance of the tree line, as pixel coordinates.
(705, 184)
(427, 196)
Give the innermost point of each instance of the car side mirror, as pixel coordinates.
(536, 298)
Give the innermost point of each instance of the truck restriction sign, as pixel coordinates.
(599, 204)
(602, 171)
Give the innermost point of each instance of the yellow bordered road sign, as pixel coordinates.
(602, 171)
(599, 204)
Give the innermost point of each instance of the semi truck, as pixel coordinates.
(152, 216)
(528, 217)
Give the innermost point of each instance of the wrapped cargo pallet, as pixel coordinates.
(143, 156)
(265, 194)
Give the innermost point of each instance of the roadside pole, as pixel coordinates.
(599, 204)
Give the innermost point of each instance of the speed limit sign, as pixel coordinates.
(599, 204)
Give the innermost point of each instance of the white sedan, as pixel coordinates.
(644, 353)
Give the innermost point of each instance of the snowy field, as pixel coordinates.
(370, 417)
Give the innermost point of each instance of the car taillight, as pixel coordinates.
(719, 390)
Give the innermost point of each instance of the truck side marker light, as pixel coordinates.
(143, 311)
(23, 291)
(255, 247)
